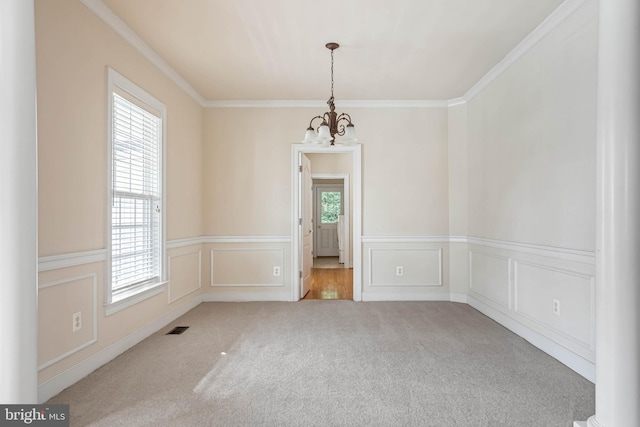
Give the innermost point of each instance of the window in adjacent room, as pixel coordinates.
(136, 231)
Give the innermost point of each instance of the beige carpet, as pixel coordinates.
(332, 363)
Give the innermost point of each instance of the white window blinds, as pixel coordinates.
(136, 196)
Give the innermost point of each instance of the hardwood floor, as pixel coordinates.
(331, 283)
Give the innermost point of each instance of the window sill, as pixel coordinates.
(134, 297)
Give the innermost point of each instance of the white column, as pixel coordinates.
(18, 204)
(618, 233)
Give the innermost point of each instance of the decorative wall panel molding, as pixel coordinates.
(54, 262)
(246, 267)
(66, 321)
(405, 239)
(538, 286)
(178, 288)
(586, 257)
(189, 241)
(489, 277)
(420, 267)
(549, 291)
(246, 239)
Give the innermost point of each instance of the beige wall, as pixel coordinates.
(531, 143)
(73, 50)
(247, 169)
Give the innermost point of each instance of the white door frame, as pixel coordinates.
(345, 208)
(356, 151)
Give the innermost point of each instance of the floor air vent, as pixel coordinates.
(177, 330)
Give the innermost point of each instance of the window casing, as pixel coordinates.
(136, 204)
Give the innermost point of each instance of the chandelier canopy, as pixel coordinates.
(332, 124)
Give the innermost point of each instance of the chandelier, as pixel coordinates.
(331, 122)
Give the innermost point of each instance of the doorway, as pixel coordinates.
(328, 215)
(355, 234)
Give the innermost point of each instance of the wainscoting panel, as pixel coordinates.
(543, 293)
(489, 276)
(57, 302)
(420, 267)
(247, 267)
(185, 274)
(405, 268)
(539, 289)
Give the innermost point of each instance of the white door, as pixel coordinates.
(328, 207)
(306, 230)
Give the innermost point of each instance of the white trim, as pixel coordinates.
(557, 17)
(246, 239)
(55, 385)
(265, 104)
(189, 241)
(296, 152)
(456, 101)
(555, 350)
(576, 255)
(456, 297)
(54, 262)
(199, 252)
(458, 239)
(406, 239)
(140, 295)
(94, 337)
(192, 241)
(243, 296)
(406, 296)
(379, 103)
(122, 29)
(243, 285)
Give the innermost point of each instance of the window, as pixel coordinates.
(331, 206)
(136, 140)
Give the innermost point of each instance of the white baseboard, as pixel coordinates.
(240, 296)
(454, 297)
(575, 362)
(55, 385)
(406, 296)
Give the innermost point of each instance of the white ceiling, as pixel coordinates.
(275, 49)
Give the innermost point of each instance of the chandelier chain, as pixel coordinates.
(331, 73)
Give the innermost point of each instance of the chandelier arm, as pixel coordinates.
(344, 116)
(311, 122)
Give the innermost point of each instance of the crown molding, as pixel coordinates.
(265, 104)
(122, 29)
(558, 16)
(322, 104)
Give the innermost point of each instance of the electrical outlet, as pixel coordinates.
(399, 270)
(556, 307)
(77, 321)
(276, 271)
